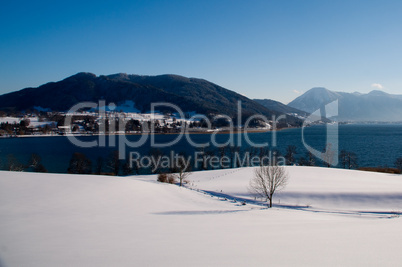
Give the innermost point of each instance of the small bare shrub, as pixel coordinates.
(163, 178)
(171, 179)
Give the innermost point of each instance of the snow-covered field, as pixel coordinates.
(324, 217)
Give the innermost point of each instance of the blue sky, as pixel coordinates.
(262, 49)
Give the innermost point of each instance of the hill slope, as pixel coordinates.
(86, 220)
(280, 107)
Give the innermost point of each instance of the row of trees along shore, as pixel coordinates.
(111, 165)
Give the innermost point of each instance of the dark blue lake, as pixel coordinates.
(375, 145)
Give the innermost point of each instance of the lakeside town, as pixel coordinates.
(48, 123)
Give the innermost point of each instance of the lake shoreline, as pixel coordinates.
(134, 134)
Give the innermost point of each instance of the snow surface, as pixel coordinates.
(320, 188)
(85, 220)
(10, 120)
(33, 121)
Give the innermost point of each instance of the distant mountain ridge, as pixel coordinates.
(190, 94)
(374, 106)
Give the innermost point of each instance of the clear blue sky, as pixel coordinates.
(262, 49)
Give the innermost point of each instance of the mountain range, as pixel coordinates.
(190, 94)
(374, 106)
(199, 96)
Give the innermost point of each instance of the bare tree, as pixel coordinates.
(79, 164)
(291, 151)
(267, 180)
(352, 160)
(307, 160)
(35, 162)
(113, 162)
(348, 159)
(127, 169)
(398, 164)
(329, 155)
(99, 166)
(182, 169)
(13, 164)
(310, 159)
(40, 168)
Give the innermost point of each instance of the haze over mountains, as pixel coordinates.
(374, 106)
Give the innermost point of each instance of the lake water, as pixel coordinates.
(375, 145)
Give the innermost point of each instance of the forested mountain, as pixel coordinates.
(280, 107)
(190, 94)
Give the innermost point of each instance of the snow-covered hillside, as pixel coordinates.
(77, 220)
(318, 188)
